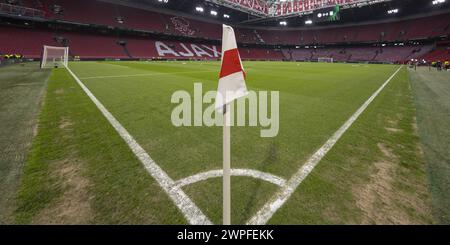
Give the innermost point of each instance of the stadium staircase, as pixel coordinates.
(125, 50)
(260, 39)
(375, 55)
(166, 26)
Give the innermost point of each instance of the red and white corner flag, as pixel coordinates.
(232, 76)
(231, 87)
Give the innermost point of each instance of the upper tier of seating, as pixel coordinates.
(102, 13)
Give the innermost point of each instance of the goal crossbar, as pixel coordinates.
(325, 59)
(54, 57)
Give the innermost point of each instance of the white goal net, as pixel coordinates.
(53, 57)
(325, 59)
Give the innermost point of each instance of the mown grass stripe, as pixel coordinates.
(267, 211)
(191, 212)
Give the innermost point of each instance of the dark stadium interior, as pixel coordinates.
(141, 112)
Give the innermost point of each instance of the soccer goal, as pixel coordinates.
(54, 57)
(325, 59)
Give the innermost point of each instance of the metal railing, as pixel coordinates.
(10, 9)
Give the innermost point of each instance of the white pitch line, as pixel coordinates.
(234, 172)
(267, 211)
(145, 74)
(190, 211)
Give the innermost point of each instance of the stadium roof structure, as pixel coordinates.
(284, 8)
(270, 13)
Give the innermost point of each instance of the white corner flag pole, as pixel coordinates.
(226, 166)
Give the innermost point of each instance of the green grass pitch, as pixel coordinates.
(80, 171)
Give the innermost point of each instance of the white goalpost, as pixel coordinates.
(54, 57)
(325, 59)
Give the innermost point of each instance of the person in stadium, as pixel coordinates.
(439, 65)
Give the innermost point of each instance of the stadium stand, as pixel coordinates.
(422, 28)
(97, 46)
(439, 53)
(94, 46)
(16, 40)
(87, 12)
(360, 54)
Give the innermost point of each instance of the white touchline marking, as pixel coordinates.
(146, 74)
(190, 211)
(267, 211)
(234, 172)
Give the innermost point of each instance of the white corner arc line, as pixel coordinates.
(267, 211)
(190, 211)
(146, 74)
(234, 172)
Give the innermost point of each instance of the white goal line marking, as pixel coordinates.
(267, 211)
(146, 74)
(234, 172)
(190, 211)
